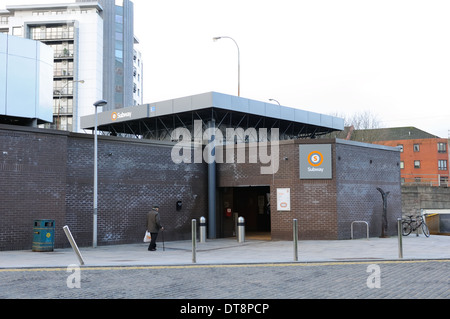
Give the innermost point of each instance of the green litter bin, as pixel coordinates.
(43, 235)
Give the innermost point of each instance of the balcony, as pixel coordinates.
(55, 36)
(63, 73)
(63, 54)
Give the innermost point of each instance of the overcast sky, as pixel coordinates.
(389, 57)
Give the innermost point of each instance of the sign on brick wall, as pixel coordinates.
(315, 161)
(283, 199)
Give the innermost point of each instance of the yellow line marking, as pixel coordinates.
(312, 264)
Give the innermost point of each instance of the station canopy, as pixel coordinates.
(157, 121)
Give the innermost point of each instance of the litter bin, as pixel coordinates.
(43, 235)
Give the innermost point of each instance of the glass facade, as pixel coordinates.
(119, 55)
(56, 32)
(119, 42)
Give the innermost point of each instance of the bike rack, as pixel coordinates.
(359, 221)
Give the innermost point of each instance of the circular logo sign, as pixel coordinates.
(48, 235)
(114, 116)
(315, 159)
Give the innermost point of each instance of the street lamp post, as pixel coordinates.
(239, 60)
(94, 236)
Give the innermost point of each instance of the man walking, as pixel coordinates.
(153, 226)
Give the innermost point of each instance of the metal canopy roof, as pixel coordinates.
(158, 120)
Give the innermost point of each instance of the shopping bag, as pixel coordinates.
(147, 237)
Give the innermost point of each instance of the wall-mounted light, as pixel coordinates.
(179, 205)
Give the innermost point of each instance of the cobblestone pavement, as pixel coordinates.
(359, 280)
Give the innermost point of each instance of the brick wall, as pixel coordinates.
(132, 176)
(313, 202)
(362, 168)
(32, 183)
(415, 198)
(49, 175)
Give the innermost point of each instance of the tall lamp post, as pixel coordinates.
(239, 61)
(94, 236)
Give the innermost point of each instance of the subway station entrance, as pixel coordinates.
(250, 202)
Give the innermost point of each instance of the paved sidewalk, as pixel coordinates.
(229, 251)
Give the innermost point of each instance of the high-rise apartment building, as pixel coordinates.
(138, 78)
(119, 53)
(94, 54)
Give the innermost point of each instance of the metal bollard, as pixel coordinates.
(241, 230)
(295, 235)
(400, 237)
(73, 244)
(194, 240)
(202, 229)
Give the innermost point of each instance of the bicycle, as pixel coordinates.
(410, 225)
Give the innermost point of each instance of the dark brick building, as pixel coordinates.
(48, 174)
(325, 208)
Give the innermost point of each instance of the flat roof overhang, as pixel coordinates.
(53, 6)
(158, 120)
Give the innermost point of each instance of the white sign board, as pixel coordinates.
(283, 199)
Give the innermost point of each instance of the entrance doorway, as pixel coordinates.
(252, 203)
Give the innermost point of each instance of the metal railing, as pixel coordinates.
(439, 180)
(359, 221)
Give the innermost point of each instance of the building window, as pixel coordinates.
(416, 164)
(442, 165)
(53, 32)
(63, 87)
(63, 106)
(17, 31)
(64, 68)
(63, 50)
(442, 147)
(416, 148)
(402, 165)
